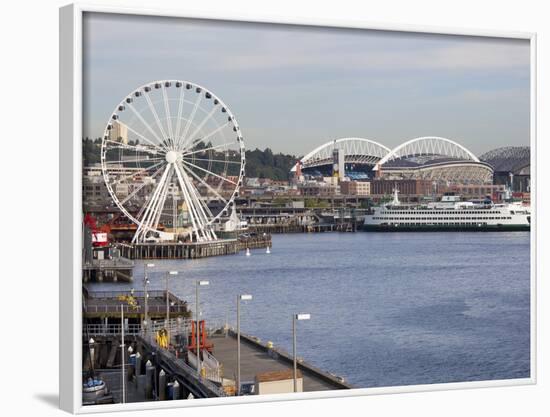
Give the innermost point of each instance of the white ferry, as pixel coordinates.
(449, 214)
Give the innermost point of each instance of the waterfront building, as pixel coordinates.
(338, 163)
(94, 190)
(409, 187)
(359, 188)
(119, 133)
(319, 189)
(476, 191)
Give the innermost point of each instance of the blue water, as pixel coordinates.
(387, 309)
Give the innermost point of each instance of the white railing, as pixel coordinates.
(210, 367)
(136, 294)
(153, 309)
(175, 327)
(111, 329)
(190, 370)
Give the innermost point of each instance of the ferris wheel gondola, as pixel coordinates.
(169, 149)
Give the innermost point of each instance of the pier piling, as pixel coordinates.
(176, 395)
(132, 367)
(162, 385)
(149, 379)
(138, 365)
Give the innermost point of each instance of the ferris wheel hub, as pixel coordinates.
(171, 157)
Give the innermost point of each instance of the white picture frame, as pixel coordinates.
(70, 154)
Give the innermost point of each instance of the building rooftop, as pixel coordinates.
(508, 158)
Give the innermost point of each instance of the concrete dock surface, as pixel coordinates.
(255, 360)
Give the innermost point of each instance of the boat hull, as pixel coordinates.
(443, 228)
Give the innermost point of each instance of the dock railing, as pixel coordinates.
(111, 306)
(115, 263)
(176, 327)
(136, 294)
(177, 366)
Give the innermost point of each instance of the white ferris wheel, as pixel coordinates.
(173, 159)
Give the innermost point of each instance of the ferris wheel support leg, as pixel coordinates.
(141, 229)
(199, 205)
(198, 231)
(144, 225)
(160, 205)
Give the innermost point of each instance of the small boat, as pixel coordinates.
(247, 252)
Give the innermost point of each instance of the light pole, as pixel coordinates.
(173, 273)
(243, 297)
(197, 330)
(91, 344)
(296, 317)
(123, 354)
(146, 298)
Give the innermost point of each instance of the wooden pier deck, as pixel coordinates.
(191, 250)
(256, 358)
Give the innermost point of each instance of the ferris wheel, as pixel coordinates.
(173, 160)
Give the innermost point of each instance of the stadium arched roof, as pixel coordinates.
(508, 158)
(429, 146)
(429, 158)
(356, 150)
(434, 158)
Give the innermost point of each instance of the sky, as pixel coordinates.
(293, 88)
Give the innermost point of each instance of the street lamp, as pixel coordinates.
(173, 273)
(242, 297)
(122, 346)
(199, 284)
(91, 344)
(296, 317)
(145, 324)
(146, 283)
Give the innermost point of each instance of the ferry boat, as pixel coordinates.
(449, 214)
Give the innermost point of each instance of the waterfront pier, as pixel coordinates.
(152, 373)
(192, 250)
(116, 269)
(258, 357)
(102, 309)
(151, 369)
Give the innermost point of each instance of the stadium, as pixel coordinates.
(425, 158)
(358, 156)
(512, 166)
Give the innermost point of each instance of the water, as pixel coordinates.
(387, 309)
